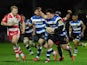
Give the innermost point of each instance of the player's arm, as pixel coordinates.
(4, 22)
(34, 30)
(58, 30)
(83, 28)
(69, 12)
(23, 27)
(70, 31)
(60, 27)
(43, 15)
(30, 23)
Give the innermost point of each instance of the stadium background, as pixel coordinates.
(26, 8)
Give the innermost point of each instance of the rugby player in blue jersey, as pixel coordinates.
(57, 34)
(76, 31)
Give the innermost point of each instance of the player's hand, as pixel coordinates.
(69, 11)
(50, 30)
(82, 35)
(11, 24)
(40, 9)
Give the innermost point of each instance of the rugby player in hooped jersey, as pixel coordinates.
(57, 34)
(28, 35)
(76, 31)
(39, 31)
(12, 21)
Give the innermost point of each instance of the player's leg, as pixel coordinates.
(50, 50)
(14, 41)
(39, 49)
(76, 42)
(60, 53)
(26, 41)
(45, 45)
(59, 50)
(69, 49)
(31, 43)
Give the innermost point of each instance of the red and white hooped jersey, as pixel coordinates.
(9, 18)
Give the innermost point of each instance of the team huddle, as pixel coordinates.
(46, 29)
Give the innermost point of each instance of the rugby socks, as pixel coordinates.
(69, 49)
(38, 52)
(49, 51)
(28, 48)
(60, 51)
(75, 51)
(16, 52)
(21, 53)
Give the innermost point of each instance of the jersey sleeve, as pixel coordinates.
(21, 19)
(4, 19)
(58, 18)
(30, 21)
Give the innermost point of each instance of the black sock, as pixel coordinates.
(69, 50)
(38, 52)
(60, 51)
(28, 48)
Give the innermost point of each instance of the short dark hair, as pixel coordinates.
(12, 7)
(50, 10)
(36, 8)
(74, 14)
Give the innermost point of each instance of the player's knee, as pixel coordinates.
(46, 46)
(14, 39)
(40, 41)
(50, 44)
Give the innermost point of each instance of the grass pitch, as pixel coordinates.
(7, 56)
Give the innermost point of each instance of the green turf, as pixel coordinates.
(7, 57)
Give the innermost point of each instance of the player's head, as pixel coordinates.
(74, 17)
(58, 13)
(14, 10)
(37, 10)
(49, 13)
